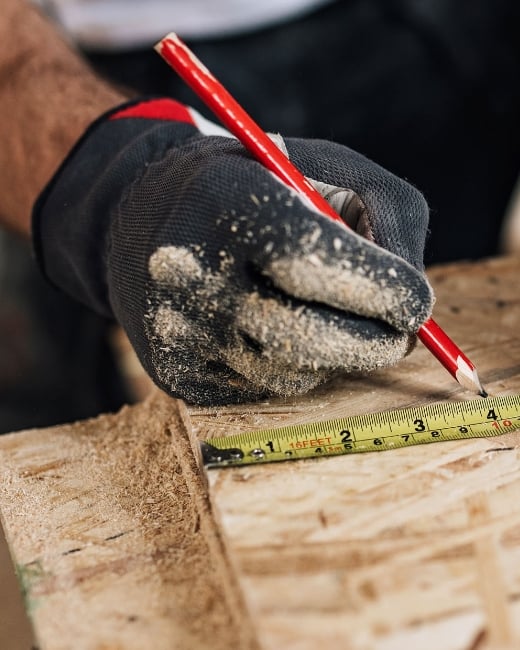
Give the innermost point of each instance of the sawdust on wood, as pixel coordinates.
(114, 537)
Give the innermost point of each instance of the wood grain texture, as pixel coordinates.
(416, 548)
(118, 546)
(114, 543)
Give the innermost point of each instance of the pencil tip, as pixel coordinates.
(467, 376)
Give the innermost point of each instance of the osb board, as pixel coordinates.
(117, 547)
(109, 527)
(415, 548)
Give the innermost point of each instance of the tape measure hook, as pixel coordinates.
(214, 457)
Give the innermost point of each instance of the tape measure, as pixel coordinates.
(481, 418)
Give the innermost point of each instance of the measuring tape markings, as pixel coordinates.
(369, 432)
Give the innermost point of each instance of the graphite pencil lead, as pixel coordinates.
(466, 375)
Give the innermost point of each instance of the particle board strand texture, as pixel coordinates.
(122, 542)
(413, 548)
(110, 529)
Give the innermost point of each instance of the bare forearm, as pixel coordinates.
(48, 96)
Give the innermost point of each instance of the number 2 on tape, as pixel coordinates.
(481, 418)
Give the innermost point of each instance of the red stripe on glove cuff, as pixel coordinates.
(156, 109)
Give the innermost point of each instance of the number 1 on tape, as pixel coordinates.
(481, 418)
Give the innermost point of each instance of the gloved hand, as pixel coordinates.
(229, 286)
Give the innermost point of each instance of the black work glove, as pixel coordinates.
(229, 286)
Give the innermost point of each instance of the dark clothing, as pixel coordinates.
(56, 363)
(429, 90)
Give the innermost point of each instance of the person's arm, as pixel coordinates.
(48, 96)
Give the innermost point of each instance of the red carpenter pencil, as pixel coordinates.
(259, 144)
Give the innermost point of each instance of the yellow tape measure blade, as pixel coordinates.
(386, 430)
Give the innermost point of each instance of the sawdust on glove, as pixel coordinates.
(229, 285)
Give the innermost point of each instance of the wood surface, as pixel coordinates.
(118, 546)
(114, 544)
(415, 548)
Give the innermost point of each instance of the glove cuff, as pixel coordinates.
(72, 216)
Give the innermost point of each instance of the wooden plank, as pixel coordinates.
(109, 527)
(413, 548)
(116, 543)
